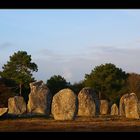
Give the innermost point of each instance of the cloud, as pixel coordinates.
(51, 55)
(125, 57)
(74, 66)
(67, 74)
(46, 51)
(113, 51)
(106, 49)
(5, 45)
(59, 57)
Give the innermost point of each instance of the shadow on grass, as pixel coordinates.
(100, 118)
(24, 116)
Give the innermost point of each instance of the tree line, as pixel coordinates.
(109, 81)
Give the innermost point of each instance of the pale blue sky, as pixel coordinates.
(72, 42)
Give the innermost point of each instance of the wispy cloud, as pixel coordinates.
(74, 66)
(67, 73)
(5, 45)
(114, 50)
(57, 56)
(46, 51)
(105, 49)
(50, 54)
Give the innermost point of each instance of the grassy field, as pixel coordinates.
(82, 124)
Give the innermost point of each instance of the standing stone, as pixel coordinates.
(64, 105)
(16, 105)
(139, 107)
(39, 99)
(131, 106)
(3, 111)
(104, 106)
(114, 110)
(86, 106)
(122, 105)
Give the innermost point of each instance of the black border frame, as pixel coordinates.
(69, 4)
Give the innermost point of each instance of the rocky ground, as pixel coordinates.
(82, 124)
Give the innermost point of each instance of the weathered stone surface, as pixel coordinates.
(104, 106)
(64, 105)
(39, 99)
(114, 110)
(86, 106)
(3, 111)
(16, 105)
(122, 105)
(139, 107)
(131, 106)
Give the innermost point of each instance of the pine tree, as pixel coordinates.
(108, 80)
(19, 69)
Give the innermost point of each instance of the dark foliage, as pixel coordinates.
(7, 90)
(19, 70)
(76, 87)
(56, 83)
(108, 80)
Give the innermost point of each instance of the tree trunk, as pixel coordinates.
(99, 95)
(20, 86)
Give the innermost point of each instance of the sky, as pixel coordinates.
(72, 42)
